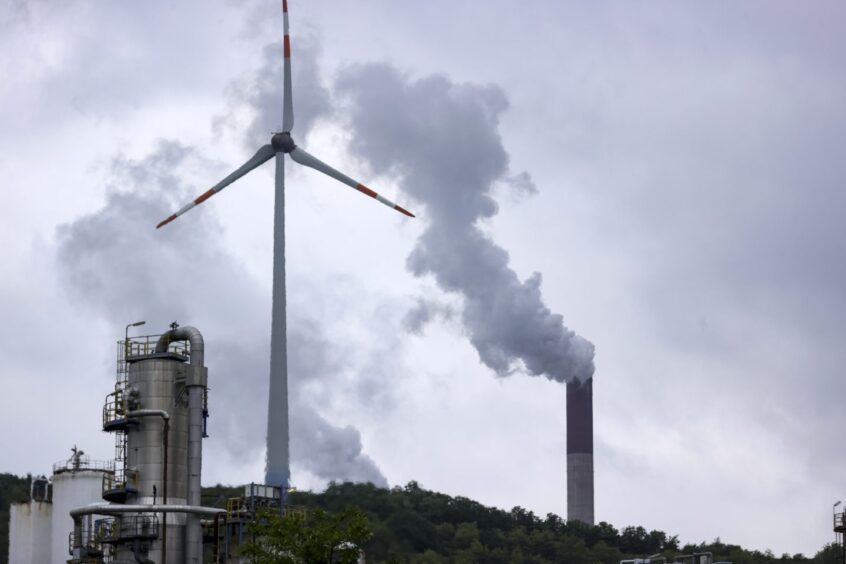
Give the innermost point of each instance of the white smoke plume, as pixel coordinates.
(441, 138)
(119, 266)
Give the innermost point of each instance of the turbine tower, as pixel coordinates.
(281, 144)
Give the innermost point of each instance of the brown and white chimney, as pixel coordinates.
(580, 451)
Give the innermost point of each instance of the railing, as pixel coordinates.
(127, 527)
(122, 480)
(144, 345)
(83, 463)
(840, 522)
(91, 549)
(295, 511)
(236, 508)
(115, 406)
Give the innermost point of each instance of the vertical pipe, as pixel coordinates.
(164, 491)
(195, 382)
(193, 532)
(216, 551)
(166, 431)
(277, 470)
(77, 537)
(580, 451)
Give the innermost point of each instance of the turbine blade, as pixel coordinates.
(302, 157)
(262, 155)
(288, 103)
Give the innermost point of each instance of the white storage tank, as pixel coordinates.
(20, 533)
(30, 526)
(76, 482)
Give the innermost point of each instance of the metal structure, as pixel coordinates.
(695, 558)
(158, 414)
(281, 144)
(229, 535)
(580, 451)
(840, 530)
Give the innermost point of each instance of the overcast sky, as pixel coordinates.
(663, 179)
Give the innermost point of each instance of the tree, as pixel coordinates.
(318, 537)
(829, 554)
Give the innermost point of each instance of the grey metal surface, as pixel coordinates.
(155, 380)
(277, 471)
(123, 508)
(580, 487)
(195, 378)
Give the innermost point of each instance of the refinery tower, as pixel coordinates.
(143, 506)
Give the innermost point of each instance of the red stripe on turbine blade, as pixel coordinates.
(287, 47)
(165, 222)
(403, 210)
(284, 5)
(365, 190)
(205, 196)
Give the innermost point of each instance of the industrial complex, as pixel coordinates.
(143, 506)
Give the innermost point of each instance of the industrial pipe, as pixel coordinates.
(166, 419)
(136, 552)
(196, 386)
(119, 509)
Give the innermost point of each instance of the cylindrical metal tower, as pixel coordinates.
(580, 451)
(156, 382)
(157, 413)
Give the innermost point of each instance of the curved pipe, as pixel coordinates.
(196, 394)
(166, 420)
(136, 552)
(186, 333)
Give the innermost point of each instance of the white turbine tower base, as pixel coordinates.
(277, 471)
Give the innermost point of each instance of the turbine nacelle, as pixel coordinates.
(282, 142)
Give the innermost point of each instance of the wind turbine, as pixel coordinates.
(281, 143)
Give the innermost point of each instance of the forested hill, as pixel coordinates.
(414, 525)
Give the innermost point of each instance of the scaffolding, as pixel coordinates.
(839, 531)
(240, 513)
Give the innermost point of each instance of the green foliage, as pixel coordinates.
(317, 537)
(410, 525)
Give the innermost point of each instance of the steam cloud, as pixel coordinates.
(123, 269)
(441, 138)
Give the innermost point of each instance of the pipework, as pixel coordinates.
(195, 382)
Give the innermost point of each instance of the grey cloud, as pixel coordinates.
(334, 453)
(522, 184)
(120, 267)
(425, 311)
(261, 93)
(442, 139)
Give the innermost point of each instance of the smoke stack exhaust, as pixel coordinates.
(580, 451)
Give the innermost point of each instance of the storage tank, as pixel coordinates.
(30, 526)
(20, 533)
(77, 481)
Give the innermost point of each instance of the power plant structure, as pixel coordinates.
(580, 451)
(145, 505)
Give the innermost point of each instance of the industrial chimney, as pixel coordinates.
(580, 451)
